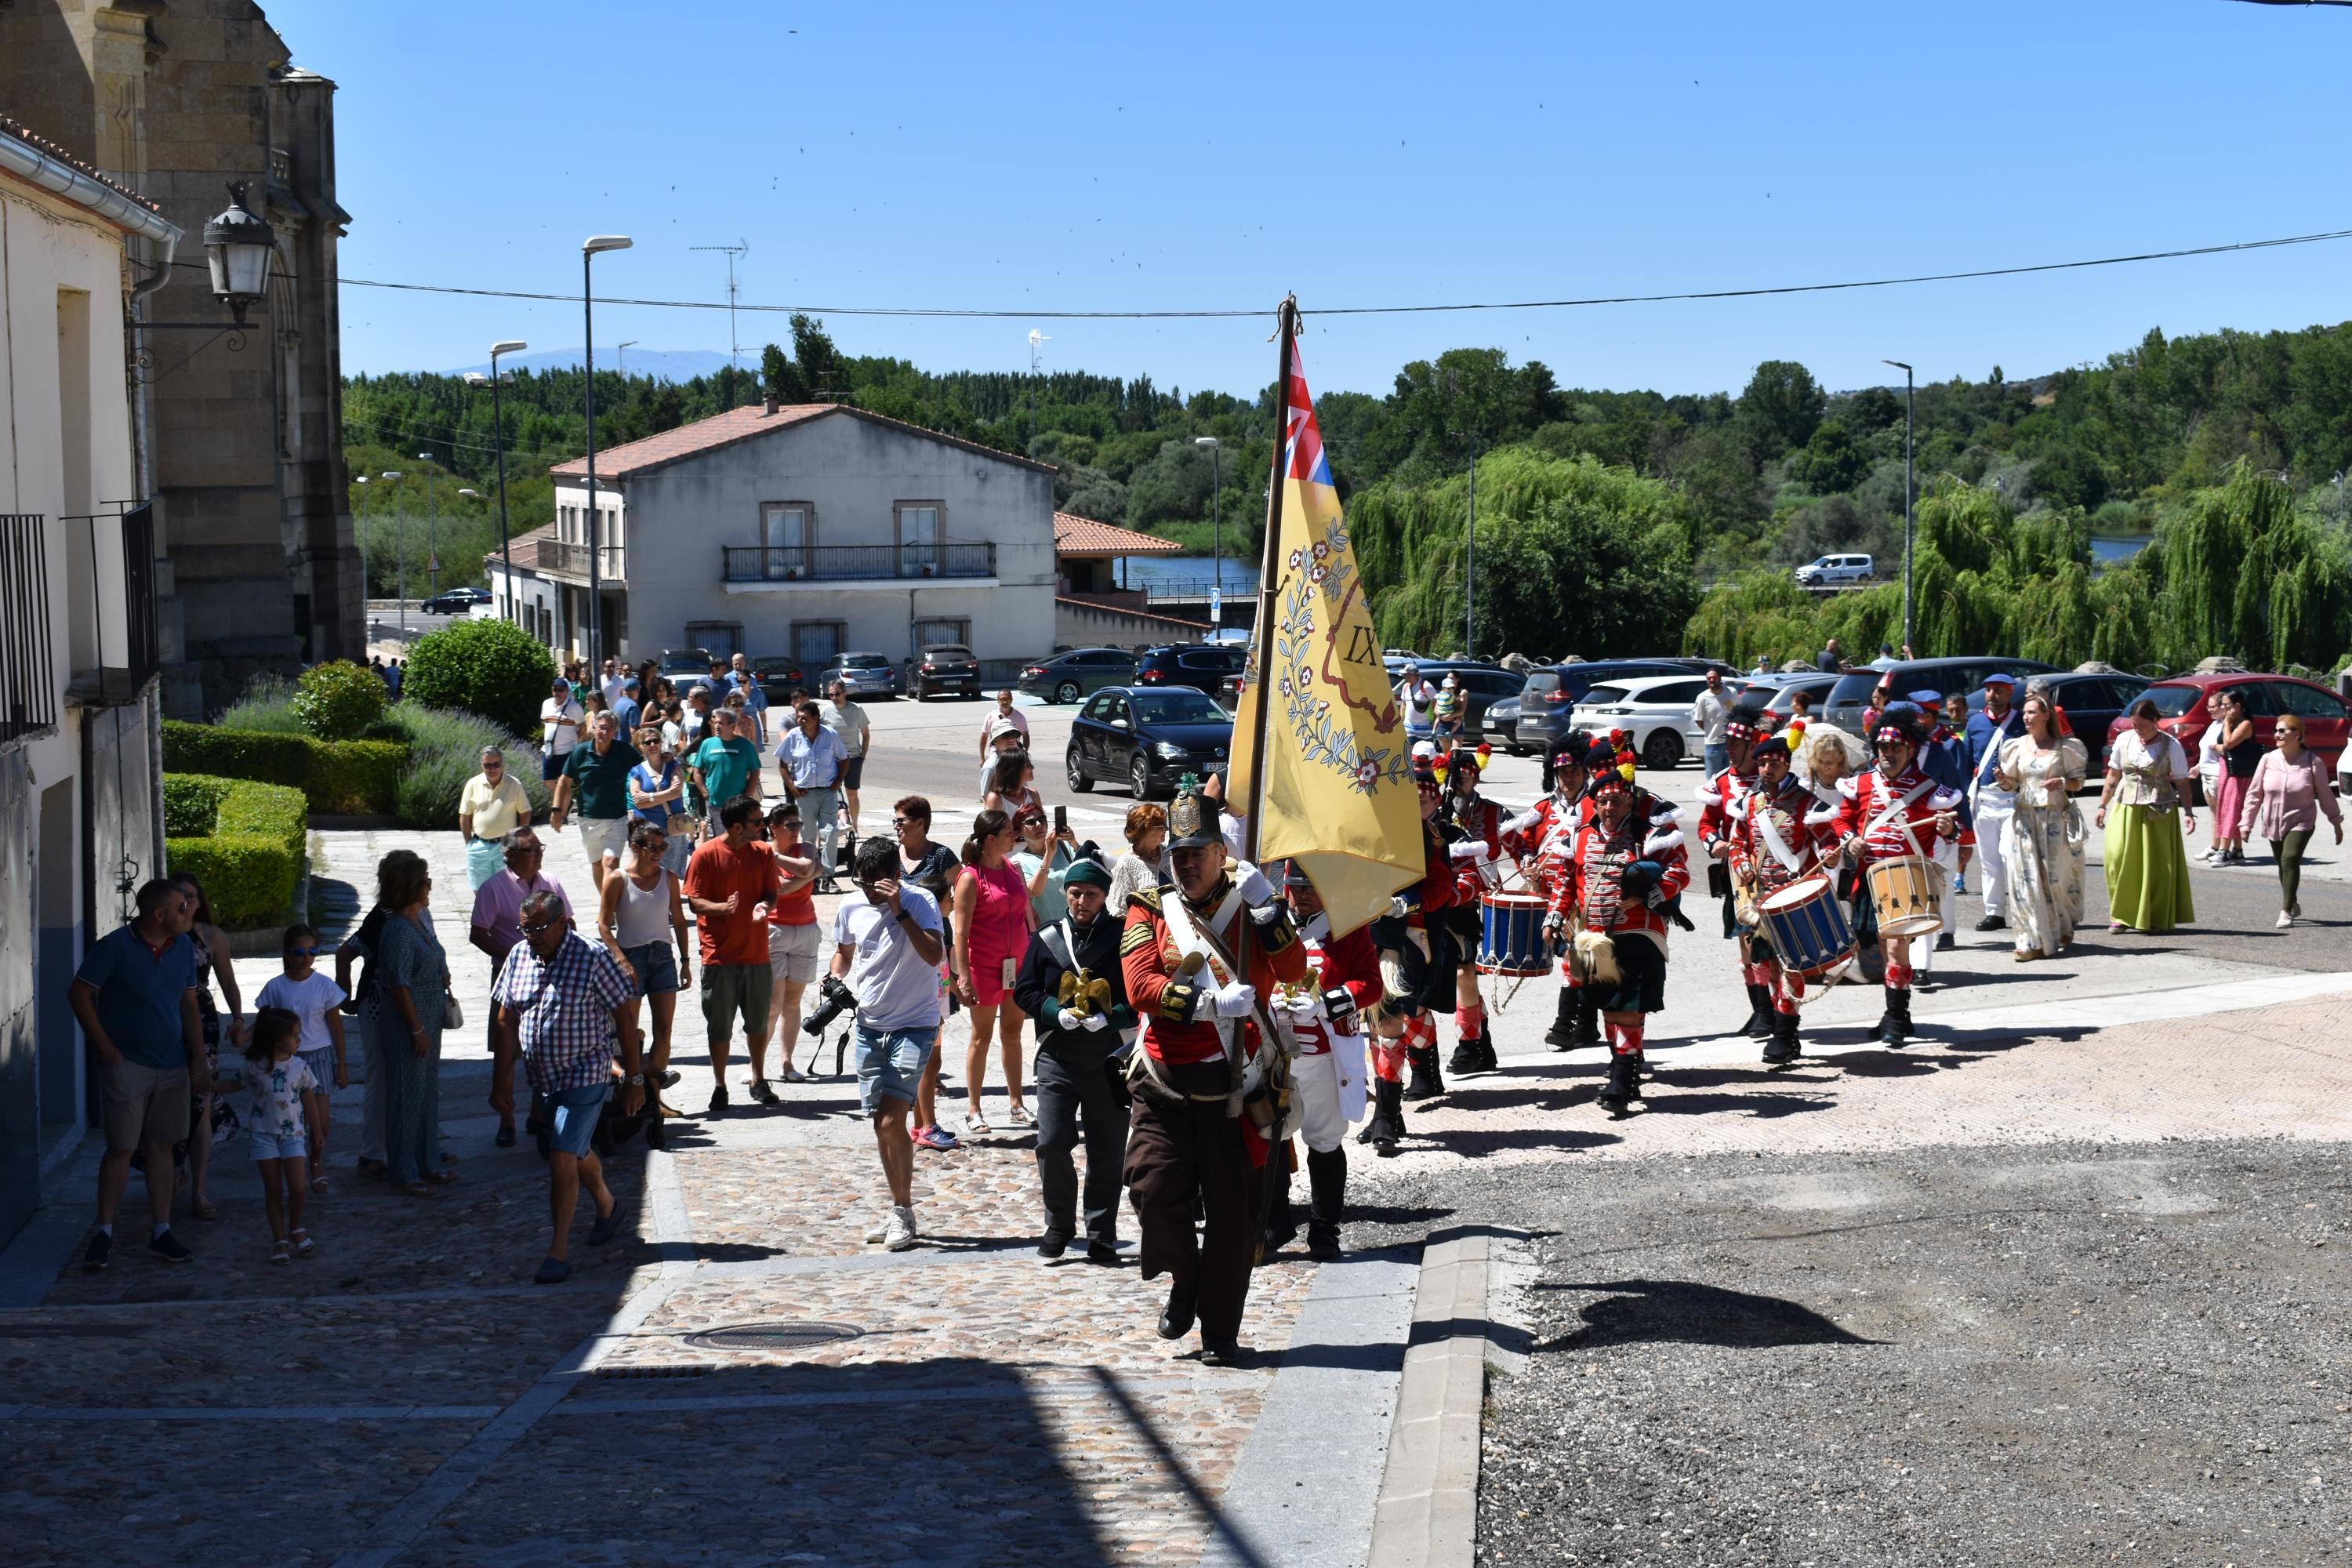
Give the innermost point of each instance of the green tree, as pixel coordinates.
(1780, 409)
(493, 668)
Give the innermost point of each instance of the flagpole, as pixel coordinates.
(1286, 328)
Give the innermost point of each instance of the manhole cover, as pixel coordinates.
(783, 1336)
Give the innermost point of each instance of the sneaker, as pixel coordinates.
(2284, 921)
(877, 1230)
(1959, 885)
(718, 1099)
(101, 1243)
(939, 1139)
(167, 1248)
(761, 1092)
(552, 1271)
(606, 1227)
(898, 1234)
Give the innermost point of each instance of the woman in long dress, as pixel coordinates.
(2043, 843)
(401, 1022)
(2148, 865)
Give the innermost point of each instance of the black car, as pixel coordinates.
(2092, 704)
(1552, 692)
(1850, 698)
(942, 667)
(778, 676)
(456, 601)
(1204, 667)
(1149, 737)
(1066, 676)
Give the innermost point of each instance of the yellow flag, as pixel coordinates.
(1339, 795)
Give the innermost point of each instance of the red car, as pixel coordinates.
(2187, 705)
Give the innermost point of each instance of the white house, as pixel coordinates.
(803, 529)
(81, 815)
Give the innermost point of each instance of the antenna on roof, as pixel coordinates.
(740, 247)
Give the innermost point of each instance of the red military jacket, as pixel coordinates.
(1589, 879)
(1716, 796)
(1806, 831)
(1873, 812)
(1178, 1025)
(1480, 819)
(1531, 836)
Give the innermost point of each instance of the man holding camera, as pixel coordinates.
(1197, 964)
(1071, 984)
(886, 963)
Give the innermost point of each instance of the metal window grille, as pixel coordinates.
(28, 690)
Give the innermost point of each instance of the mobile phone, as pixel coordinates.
(1006, 970)
(1061, 820)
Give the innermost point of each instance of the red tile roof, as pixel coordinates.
(741, 424)
(43, 146)
(1083, 537)
(525, 547)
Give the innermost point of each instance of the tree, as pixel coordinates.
(491, 667)
(1831, 461)
(1780, 409)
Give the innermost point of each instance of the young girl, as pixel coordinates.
(279, 1079)
(317, 1001)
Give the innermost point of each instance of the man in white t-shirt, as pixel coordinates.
(1418, 700)
(1712, 713)
(886, 950)
(561, 721)
(614, 676)
(848, 721)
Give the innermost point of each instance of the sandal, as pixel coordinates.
(303, 1245)
(415, 1189)
(440, 1178)
(1019, 1117)
(373, 1168)
(318, 1183)
(279, 1252)
(976, 1125)
(203, 1208)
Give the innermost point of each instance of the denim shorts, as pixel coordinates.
(888, 1063)
(268, 1146)
(656, 966)
(577, 1112)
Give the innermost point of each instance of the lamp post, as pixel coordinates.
(1216, 523)
(431, 531)
(400, 549)
(497, 378)
(1909, 410)
(588, 251)
(362, 532)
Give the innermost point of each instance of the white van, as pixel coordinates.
(1835, 569)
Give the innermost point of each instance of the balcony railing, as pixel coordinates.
(849, 562)
(141, 641)
(572, 560)
(28, 689)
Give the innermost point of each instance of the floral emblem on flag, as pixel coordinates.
(1314, 593)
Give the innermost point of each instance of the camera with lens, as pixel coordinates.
(833, 999)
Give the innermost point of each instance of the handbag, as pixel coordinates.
(451, 1015)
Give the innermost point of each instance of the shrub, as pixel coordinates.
(357, 777)
(443, 750)
(338, 701)
(250, 855)
(487, 667)
(266, 706)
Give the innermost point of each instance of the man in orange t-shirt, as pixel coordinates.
(726, 882)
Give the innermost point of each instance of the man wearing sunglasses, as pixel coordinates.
(497, 928)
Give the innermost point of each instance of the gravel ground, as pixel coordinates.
(2063, 1354)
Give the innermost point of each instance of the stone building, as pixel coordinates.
(240, 441)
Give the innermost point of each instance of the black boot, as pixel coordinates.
(1895, 1024)
(1327, 1183)
(1387, 1128)
(1176, 1318)
(1781, 1048)
(1426, 1082)
(1562, 1035)
(1759, 1013)
(1280, 1230)
(1588, 1019)
(1468, 1057)
(1487, 1061)
(1625, 1083)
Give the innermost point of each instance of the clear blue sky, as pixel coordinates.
(1113, 157)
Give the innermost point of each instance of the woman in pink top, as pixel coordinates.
(2283, 800)
(992, 932)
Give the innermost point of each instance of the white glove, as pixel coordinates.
(1235, 1000)
(1094, 1022)
(1255, 888)
(1469, 849)
(1399, 908)
(1304, 1008)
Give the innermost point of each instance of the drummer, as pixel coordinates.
(1893, 811)
(1418, 953)
(1541, 835)
(1748, 724)
(1780, 837)
(1479, 821)
(1611, 887)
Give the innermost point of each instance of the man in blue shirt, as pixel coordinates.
(135, 998)
(755, 699)
(2000, 724)
(626, 707)
(811, 758)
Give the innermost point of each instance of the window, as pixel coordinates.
(723, 638)
(2310, 703)
(1101, 707)
(817, 642)
(957, 633)
(1681, 692)
(920, 534)
(787, 530)
(2262, 698)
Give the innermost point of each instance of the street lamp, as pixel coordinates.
(496, 379)
(1216, 523)
(362, 532)
(588, 251)
(431, 531)
(400, 550)
(237, 249)
(1909, 410)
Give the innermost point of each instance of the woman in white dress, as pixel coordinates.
(2043, 843)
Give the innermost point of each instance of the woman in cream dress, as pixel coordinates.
(2043, 842)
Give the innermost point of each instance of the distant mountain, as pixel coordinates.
(662, 364)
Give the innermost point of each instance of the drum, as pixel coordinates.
(1807, 927)
(1908, 892)
(1510, 934)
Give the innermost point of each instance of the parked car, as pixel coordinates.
(1483, 685)
(866, 675)
(2092, 704)
(2186, 704)
(1833, 569)
(1551, 693)
(1204, 667)
(1080, 672)
(1777, 693)
(1850, 698)
(1501, 725)
(455, 601)
(684, 664)
(778, 676)
(1656, 710)
(1149, 737)
(943, 666)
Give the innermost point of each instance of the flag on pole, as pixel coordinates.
(1338, 795)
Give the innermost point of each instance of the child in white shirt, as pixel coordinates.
(278, 1080)
(316, 1002)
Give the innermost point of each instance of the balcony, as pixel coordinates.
(28, 696)
(558, 559)
(129, 649)
(952, 560)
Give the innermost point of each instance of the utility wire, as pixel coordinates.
(1743, 293)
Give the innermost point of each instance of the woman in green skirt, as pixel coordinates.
(2147, 866)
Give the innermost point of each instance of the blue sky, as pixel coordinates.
(1034, 157)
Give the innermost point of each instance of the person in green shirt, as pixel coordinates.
(727, 764)
(598, 772)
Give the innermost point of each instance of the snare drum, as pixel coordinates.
(1908, 891)
(1808, 928)
(1510, 934)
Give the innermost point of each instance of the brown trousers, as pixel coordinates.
(1174, 1153)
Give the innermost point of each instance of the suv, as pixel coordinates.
(1078, 672)
(1850, 698)
(1831, 569)
(942, 667)
(1550, 694)
(1204, 667)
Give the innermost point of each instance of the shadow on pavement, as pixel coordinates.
(1637, 1312)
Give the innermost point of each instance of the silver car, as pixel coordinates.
(866, 675)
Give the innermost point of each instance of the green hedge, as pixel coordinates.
(356, 777)
(248, 852)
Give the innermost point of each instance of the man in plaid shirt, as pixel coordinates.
(559, 995)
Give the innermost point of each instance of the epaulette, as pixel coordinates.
(1148, 897)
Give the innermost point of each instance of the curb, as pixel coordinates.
(1427, 1514)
